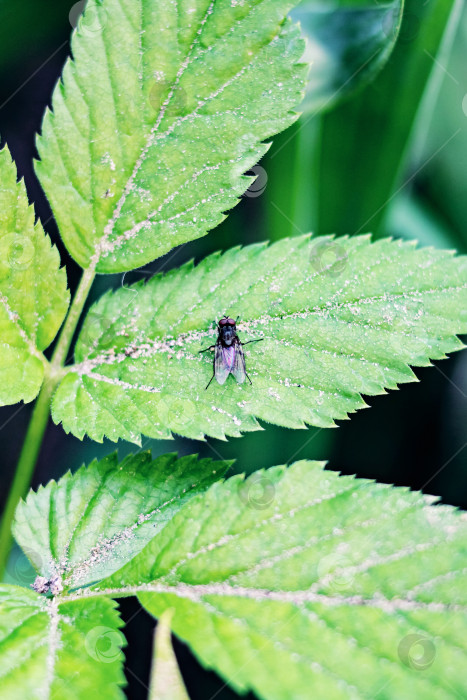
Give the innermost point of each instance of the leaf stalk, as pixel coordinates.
(25, 467)
(59, 356)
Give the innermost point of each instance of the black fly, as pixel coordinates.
(229, 356)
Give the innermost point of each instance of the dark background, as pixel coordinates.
(416, 436)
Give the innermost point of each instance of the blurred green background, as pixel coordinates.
(381, 147)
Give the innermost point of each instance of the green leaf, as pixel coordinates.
(76, 531)
(161, 111)
(339, 318)
(329, 587)
(348, 42)
(33, 294)
(66, 651)
(166, 679)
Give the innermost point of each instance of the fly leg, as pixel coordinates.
(257, 340)
(213, 375)
(211, 347)
(214, 370)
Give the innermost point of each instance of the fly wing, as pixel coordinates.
(222, 364)
(239, 370)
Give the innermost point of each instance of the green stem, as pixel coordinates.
(68, 330)
(25, 468)
(40, 416)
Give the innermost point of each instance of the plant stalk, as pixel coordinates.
(66, 336)
(25, 468)
(40, 416)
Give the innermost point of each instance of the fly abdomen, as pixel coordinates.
(228, 356)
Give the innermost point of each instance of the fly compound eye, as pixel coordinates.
(231, 322)
(223, 321)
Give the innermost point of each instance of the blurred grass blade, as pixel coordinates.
(364, 142)
(348, 42)
(443, 179)
(346, 165)
(166, 679)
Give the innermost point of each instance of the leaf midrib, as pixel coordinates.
(87, 512)
(93, 363)
(196, 593)
(108, 229)
(13, 317)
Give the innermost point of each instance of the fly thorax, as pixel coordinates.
(228, 336)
